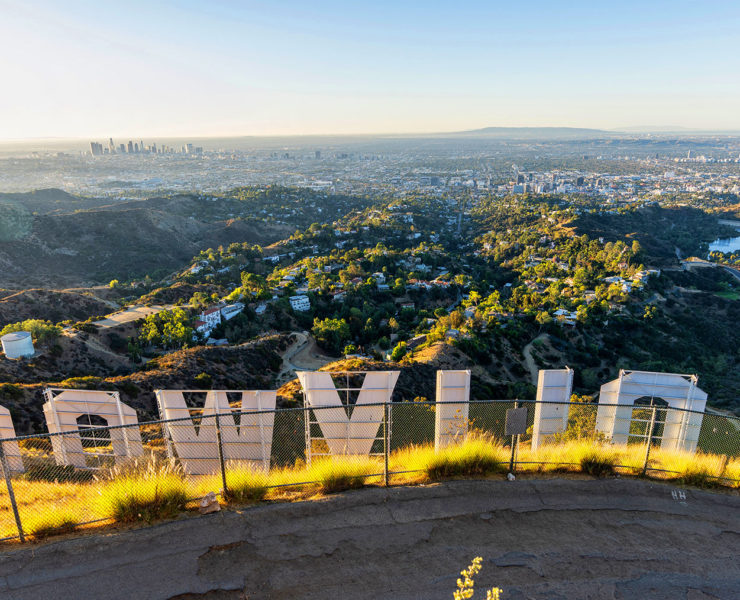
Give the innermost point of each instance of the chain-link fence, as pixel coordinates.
(64, 481)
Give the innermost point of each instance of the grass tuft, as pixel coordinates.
(53, 521)
(342, 473)
(476, 456)
(697, 469)
(244, 482)
(147, 493)
(599, 462)
(732, 473)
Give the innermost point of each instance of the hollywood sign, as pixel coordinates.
(195, 441)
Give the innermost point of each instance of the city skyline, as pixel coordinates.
(228, 70)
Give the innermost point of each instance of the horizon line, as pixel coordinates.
(648, 129)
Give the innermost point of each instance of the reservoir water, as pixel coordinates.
(725, 245)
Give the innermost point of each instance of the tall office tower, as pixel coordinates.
(689, 154)
(189, 148)
(317, 154)
(122, 149)
(154, 147)
(96, 149)
(130, 147)
(111, 146)
(136, 148)
(141, 145)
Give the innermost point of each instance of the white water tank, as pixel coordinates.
(17, 344)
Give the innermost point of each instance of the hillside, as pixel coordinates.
(49, 305)
(659, 230)
(95, 246)
(51, 200)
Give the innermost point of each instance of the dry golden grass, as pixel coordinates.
(55, 520)
(580, 456)
(243, 482)
(145, 492)
(698, 469)
(342, 473)
(474, 457)
(37, 498)
(732, 472)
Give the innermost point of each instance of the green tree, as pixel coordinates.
(399, 351)
(42, 332)
(330, 334)
(651, 311)
(543, 318)
(168, 328)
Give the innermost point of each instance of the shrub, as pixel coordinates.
(87, 382)
(36, 443)
(599, 462)
(698, 476)
(399, 351)
(11, 391)
(129, 388)
(203, 381)
(85, 326)
(52, 472)
(145, 493)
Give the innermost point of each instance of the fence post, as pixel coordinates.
(386, 440)
(649, 442)
(514, 444)
(11, 494)
(221, 455)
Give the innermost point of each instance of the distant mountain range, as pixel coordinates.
(536, 133)
(565, 133)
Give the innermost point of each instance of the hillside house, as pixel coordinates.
(211, 317)
(230, 311)
(300, 303)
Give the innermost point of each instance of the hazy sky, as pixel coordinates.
(163, 68)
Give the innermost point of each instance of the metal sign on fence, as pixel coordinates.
(516, 421)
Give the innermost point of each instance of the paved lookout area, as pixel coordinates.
(553, 539)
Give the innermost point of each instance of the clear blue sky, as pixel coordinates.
(98, 68)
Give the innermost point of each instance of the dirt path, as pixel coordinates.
(302, 355)
(532, 367)
(131, 314)
(619, 539)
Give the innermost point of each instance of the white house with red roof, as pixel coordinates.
(208, 320)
